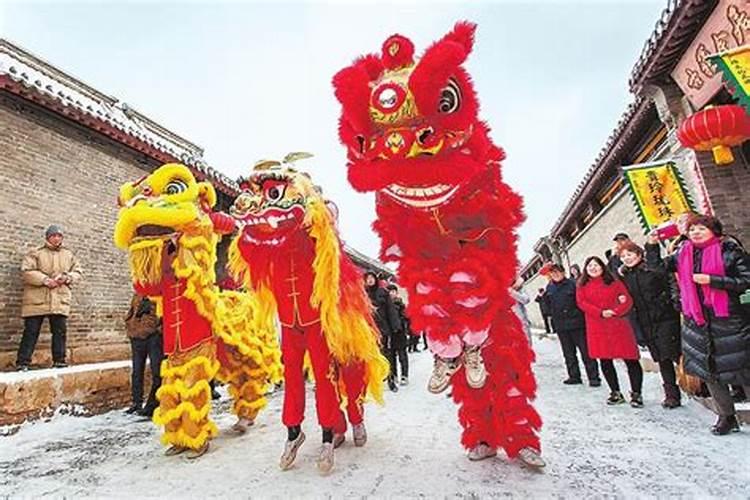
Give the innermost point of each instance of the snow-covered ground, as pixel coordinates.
(413, 451)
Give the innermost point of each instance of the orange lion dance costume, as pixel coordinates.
(413, 136)
(288, 252)
(167, 226)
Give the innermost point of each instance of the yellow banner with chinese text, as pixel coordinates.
(735, 66)
(658, 192)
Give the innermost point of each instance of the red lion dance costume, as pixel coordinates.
(289, 254)
(413, 136)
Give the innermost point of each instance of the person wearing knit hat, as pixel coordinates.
(49, 271)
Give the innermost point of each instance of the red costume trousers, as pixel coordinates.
(295, 341)
(353, 376)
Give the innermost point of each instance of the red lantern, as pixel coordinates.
(716, 129)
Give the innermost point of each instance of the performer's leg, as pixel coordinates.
(353, 375)
(293, 343)
(500, 414)
(247, 384)
(326, 400)
(185, 398)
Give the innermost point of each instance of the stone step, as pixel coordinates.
(90, 388)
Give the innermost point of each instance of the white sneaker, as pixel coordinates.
(531, 458)
(360, 434)
(481, 451)
(290, 451)
(325, 459)
(441, 374)
(404, 381)
(476, 374)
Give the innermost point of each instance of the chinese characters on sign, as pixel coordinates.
(728, 27)
(735, 66)
(658, 192)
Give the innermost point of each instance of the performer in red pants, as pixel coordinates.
(289, 253)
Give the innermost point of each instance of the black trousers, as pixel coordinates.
(570, 340)
(403, 359)
(667, 371)
(152, 348)
(635, 374)
(547, 326)
(32, 325)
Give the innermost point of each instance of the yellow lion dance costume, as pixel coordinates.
(167, 226)
(288, 251)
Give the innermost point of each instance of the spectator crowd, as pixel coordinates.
(678, 297)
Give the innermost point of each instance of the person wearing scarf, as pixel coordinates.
(712, 272)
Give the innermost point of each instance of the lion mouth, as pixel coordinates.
(271, 226)
(421, 197)
(152, 230)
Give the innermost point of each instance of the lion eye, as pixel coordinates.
(275, 193)
(176, 186)
(450, 98)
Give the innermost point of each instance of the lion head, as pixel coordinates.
(164, 208)
(411, 127)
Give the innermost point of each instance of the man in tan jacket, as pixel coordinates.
(48, 272)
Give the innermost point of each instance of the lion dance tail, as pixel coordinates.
(185, 397)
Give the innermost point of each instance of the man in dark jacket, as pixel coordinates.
(613, 256)
(143, 328)
(570, 327)
(387, 320)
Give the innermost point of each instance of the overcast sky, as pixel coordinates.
(252, 80)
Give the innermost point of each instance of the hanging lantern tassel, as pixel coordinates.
(716, 129)
(722, 155)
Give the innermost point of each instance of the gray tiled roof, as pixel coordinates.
(52, 84)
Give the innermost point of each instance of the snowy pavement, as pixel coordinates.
(413, 451)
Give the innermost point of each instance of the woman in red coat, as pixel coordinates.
(605, 302)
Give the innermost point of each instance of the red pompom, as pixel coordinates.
(398, 51)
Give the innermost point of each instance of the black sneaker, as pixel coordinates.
(22, 368)
(615, 398)
(147, 411)
(636, 400)
(59, 364)
(725, 425)
(595, 383)
(135, 408)
(572, 381)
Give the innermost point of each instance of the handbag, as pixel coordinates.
(688, 383)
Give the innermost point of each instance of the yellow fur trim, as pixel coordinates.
(182, 438)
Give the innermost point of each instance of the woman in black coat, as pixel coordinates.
(712, 274)
(655, 313)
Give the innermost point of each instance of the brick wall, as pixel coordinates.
(619, 215)
(53, 171)
(727, 187)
